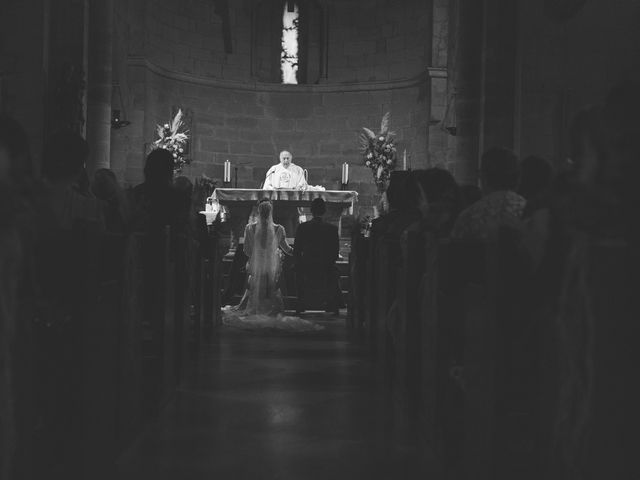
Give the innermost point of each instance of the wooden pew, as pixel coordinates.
(358, 264)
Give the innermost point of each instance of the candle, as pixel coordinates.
(227, 171)
(345, 173)
(404, 159)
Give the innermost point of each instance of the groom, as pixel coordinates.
(315, 251)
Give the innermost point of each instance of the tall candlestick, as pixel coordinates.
(404, 159)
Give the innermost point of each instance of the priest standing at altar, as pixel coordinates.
(286, 175)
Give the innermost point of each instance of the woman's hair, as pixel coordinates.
(264, 210)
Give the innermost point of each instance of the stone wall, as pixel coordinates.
(377, 59)
(250, 125)
(366, 40)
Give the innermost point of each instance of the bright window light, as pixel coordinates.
(289, 53)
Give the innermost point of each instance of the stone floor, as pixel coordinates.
(272, 405)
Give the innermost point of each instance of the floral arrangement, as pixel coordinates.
(379, 151)
(174, 138)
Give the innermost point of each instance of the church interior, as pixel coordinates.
(477, 162)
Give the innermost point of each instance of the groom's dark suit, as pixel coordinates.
(315, 252)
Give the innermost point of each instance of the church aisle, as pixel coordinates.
(278, 406)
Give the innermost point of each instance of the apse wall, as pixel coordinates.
(377, 59)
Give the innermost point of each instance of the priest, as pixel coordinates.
(286, 175)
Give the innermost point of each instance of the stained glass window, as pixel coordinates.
(289, 52)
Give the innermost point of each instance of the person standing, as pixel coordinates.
(286, 175)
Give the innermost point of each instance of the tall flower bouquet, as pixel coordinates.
(173, 137)
(379, 151)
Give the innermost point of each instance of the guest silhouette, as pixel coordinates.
(155, 201)
(315, 252)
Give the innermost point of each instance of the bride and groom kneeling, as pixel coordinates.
(262, 305)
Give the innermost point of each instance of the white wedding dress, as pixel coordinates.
(262, 305)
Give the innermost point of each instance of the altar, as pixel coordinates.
(239, 203)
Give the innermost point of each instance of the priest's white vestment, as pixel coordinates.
(281, 177)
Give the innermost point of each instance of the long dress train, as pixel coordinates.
(262, 305)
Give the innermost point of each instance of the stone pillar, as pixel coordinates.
(99, 83)
(468, 87)
(499, 74)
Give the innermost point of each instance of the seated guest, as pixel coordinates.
(115, 207)
(536, 175)
(65, 155)
(402, 197)
(469, 194)
(439, 199)
(155, 201)
(535, 186)
(500, 206)
(315, 252)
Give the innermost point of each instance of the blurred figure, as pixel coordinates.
(439, 199)
(185, 214)
(18, 200)
(69, 198)
(535, 186)
(403, 198)
(19, 191)
(115, 206)
(155, 201)
(536, 176)
(500, 206)
(469, 194)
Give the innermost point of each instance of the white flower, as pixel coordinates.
(381, 139)
(389, 162)
(369, 155)
(367, 163)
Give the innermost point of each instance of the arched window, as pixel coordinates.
(288, 41)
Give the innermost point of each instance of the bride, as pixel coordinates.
(262, 305)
